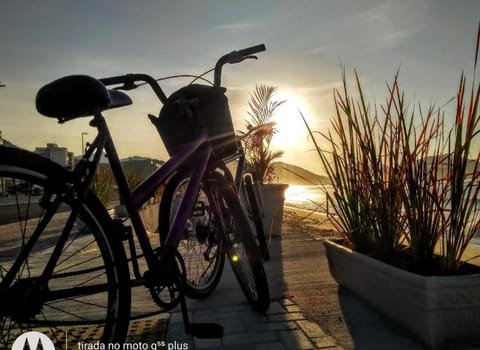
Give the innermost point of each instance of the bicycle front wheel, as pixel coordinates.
(257, 217)
(62, 272)
(242, 250)
(199, 246)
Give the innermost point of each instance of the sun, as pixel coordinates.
(290, 127)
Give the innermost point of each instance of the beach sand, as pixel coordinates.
(472, 254)
(317, 225)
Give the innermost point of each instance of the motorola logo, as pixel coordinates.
(33, 341)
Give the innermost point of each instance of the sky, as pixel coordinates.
(308, 42)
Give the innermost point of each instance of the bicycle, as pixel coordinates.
(204, 268)
(67, 265)
(198, 246)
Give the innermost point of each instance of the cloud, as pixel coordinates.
(238, 26)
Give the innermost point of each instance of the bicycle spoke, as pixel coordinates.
(54, 257)
(72, 255)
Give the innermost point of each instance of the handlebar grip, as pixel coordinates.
(120, 79)
(251, 50)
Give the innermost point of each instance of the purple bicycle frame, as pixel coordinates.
(134, 199)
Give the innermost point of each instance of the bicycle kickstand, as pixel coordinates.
(199, 330)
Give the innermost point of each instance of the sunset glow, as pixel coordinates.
(291, 131)
(306, 45)
(302, 194)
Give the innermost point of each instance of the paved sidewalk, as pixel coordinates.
(308, 310)
(284, 326)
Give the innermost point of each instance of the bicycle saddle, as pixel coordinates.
(77, 96)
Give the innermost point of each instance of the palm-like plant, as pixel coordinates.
(260, 131)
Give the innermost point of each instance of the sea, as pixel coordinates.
(314, 199)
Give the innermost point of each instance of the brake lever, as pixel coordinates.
(130, 85)
(243, 58)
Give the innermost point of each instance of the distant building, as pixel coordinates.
(140, 166)
(57, 154)
(4, 182)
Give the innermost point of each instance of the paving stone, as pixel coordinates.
(176, 332)
(292, 316)
(201, 344)
(259, 327)
(252, 318)
(232, 325)
(324, 342)
(249, 338)
(275, 308)
(292, 308)
(286, 302)
(227, 314)
(176, 317)
(295, 339)
(270, 346)
(235, 347)
(204, 316)
(283, 325)
(235, 307)
(311, 329)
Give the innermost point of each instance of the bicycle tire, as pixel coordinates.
(88, 292)
(199, 247)
(241, 248)
(257, 218)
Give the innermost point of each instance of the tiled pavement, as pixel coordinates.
(308, 310)
(284, 326)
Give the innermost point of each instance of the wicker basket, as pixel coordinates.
(192, 109)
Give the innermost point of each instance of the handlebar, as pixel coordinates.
(129, 80)
(234, 57)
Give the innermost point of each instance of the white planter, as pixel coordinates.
(441, 311)
(148, 212)
(273, 199)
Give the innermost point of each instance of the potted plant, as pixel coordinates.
(260, 154)
(405, 203)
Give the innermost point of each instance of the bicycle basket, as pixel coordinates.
(192, 109)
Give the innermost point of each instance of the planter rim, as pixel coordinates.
(427, 281)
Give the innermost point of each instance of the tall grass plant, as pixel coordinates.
(404, 183)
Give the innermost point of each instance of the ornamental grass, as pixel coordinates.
(405, 183)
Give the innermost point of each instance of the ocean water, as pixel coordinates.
(306, 197)
(311, 198)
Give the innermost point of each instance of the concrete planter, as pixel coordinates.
(149, 214)
(441, 311)
(273, 199)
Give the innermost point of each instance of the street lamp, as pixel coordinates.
(83, 144)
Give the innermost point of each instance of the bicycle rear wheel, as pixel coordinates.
(241, 248)
(86, 294)
(199, 247)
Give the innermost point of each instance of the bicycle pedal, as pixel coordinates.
(206, 330)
